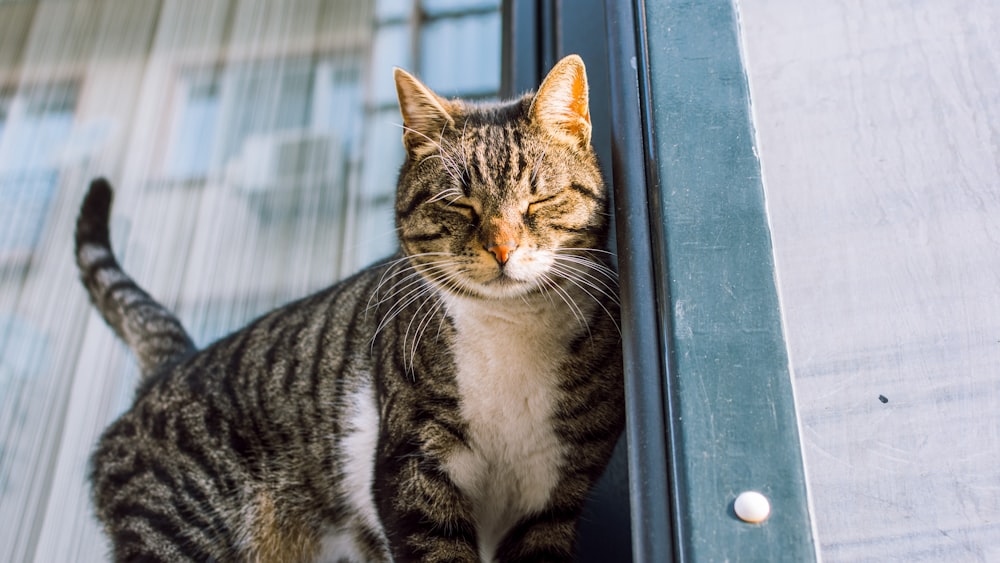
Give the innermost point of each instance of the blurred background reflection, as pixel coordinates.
(254, 147)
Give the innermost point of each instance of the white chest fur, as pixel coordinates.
(507, 358)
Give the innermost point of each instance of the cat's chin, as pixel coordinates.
(500, 287)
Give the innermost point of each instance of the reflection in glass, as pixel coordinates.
(253, 146)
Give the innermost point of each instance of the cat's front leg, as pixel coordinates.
(548, 536)
(425, 515)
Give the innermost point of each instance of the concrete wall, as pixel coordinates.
(879, 136)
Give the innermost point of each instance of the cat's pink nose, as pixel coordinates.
(502, 251)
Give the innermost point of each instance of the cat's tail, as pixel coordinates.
(153, 333)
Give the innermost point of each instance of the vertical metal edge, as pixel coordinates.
(646, 423)
(549, 33)
(703, 178)
(519, 47)
(530, 39)
(663, 304)
(817, 556)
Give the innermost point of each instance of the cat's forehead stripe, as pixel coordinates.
(496, 153)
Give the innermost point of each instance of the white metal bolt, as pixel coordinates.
(752, 507)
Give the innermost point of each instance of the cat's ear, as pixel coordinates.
(425, 114)
(561, 105)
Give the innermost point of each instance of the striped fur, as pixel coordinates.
(453, 403)
(152, 332)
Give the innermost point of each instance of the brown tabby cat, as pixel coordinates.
(455, 403)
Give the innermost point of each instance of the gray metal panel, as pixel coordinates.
(646, 428)
(729, 397)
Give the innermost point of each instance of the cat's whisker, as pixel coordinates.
(449, 161)
(465, 151)
(404, 279)
(398, 307)
(581, 254)
(584, 279)
(411, 288)
(524, 298)
(415, 132)
(570, 303)
(542, 285)
(583, 286)
(407, 283)
(589, 262)
(445, 280)
(428, 295)
(399, 292)
(411, 262)
(449, 280)
(409, 300)
(538, 162)
(590, 290)
(584, 249)
(394, 265)
(598, 283)
(391, 266)
(453, 281)
(598, 274)
(446, 164)
(421, 327)
(450, 165)
(452, 192)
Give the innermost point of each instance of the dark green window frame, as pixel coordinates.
(710, 406)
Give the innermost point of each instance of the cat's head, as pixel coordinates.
(500, 200)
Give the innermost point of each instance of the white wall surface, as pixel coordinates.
(879, 136)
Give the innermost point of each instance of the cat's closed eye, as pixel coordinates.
(465, 209)
(537, 204)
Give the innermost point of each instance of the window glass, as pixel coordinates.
(393, 9)
(446, 67)
(39, 121)
(393, 47)
(195, 126)
(256, 102)
(5, 99)
(38, 124)
(253, 147)
(437, 7)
